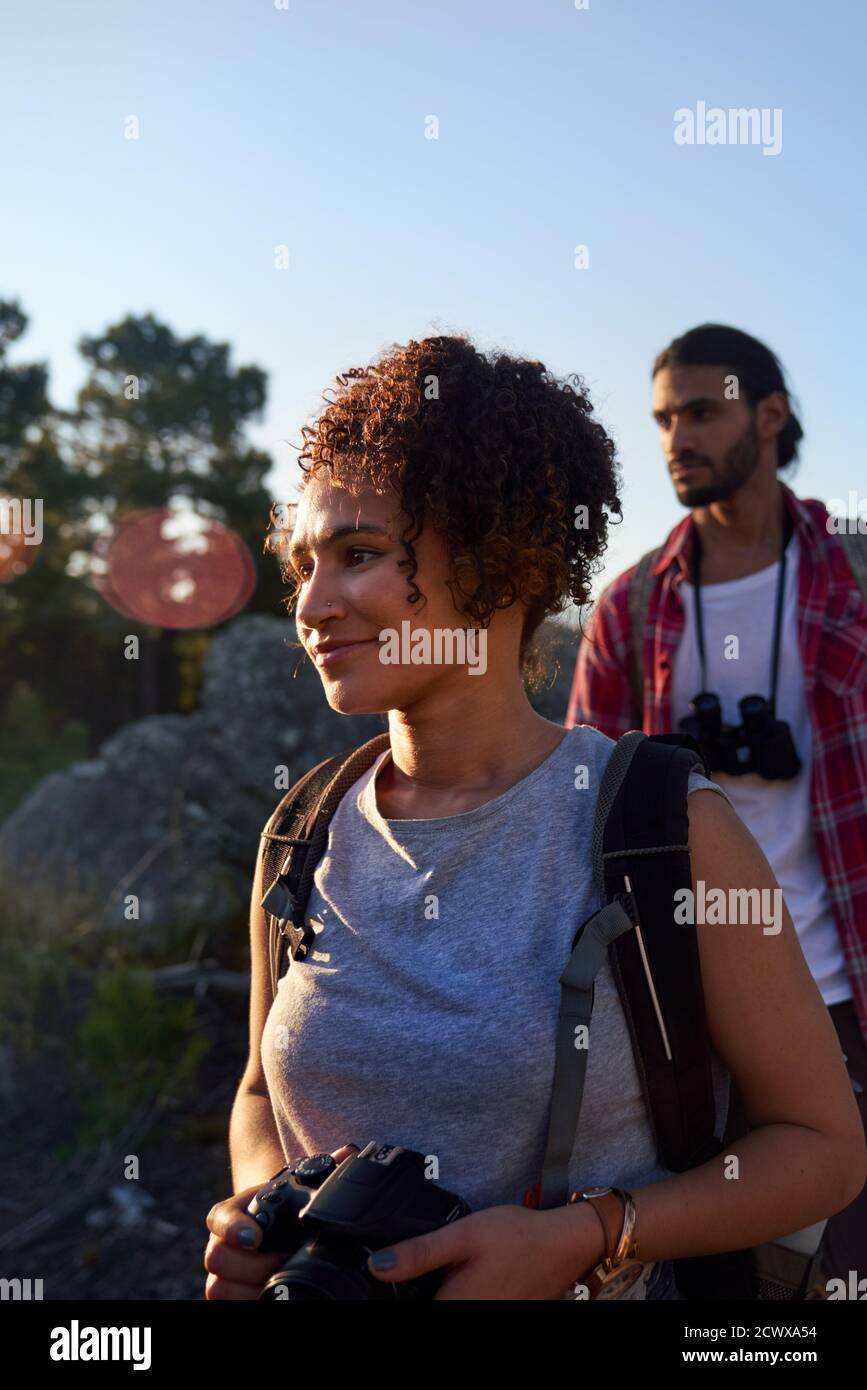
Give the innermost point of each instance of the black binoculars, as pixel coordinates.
(761, 743)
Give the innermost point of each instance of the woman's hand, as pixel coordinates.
(236, 1268)
(502, 1253)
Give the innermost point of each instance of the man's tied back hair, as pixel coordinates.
(758, 370)
(493, 450)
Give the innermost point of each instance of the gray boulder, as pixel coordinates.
(161, 828)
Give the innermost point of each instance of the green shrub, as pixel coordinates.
(133, 1044)
(32, 745)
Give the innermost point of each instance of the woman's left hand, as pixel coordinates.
(508, 1252)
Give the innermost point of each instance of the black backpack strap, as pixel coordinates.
(641, 848)
(645, 839)
(294, 840)
(640, 854)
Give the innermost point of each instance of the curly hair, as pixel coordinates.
(494, 451)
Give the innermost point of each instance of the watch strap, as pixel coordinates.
(610, 1240)
(621, 1263)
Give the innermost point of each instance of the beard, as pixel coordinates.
(737, 466)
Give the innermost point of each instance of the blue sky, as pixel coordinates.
(305, 126)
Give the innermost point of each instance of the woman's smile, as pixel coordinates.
(326, 656)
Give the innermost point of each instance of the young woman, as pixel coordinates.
(458, 490)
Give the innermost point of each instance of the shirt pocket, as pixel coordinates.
(842, 659)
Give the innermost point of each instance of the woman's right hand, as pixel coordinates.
(237, 1270)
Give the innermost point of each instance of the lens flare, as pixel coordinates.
(174, 569)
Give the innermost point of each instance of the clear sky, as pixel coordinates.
(305, 126)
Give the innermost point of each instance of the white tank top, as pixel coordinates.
(777, 813)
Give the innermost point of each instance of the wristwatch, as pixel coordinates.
(620, 1266)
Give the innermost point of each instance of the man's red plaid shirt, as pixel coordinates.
(832, 636)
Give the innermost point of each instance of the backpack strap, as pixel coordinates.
(645, 841)
(638, 599)
(641, 849)
(294, 840)
(856, 553)
(577, 991)
(640, 855)
(287, 829)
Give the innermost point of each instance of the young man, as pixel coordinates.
(713, 616)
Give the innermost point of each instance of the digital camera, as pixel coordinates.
(329, 1217)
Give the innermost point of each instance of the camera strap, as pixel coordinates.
(788, 528)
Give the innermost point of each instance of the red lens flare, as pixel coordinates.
(175, 569)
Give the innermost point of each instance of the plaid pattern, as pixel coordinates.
(832, 636)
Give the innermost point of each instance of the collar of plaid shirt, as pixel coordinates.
(832, 638)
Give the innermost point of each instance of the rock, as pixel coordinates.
(99, 1218)
(559, 645)
(161, 828)
(130, 1205)
(132, 1202)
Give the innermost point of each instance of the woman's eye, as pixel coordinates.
(301, 570)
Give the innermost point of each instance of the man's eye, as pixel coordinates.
(357, 550)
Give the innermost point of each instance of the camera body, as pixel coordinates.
(329, 1217)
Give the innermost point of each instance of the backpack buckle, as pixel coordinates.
(279, 901)
(300, 939)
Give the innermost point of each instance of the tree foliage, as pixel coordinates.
(159, 422)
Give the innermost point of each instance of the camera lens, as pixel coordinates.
(327, 1271)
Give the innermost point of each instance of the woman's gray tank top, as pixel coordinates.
(426, 1012)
